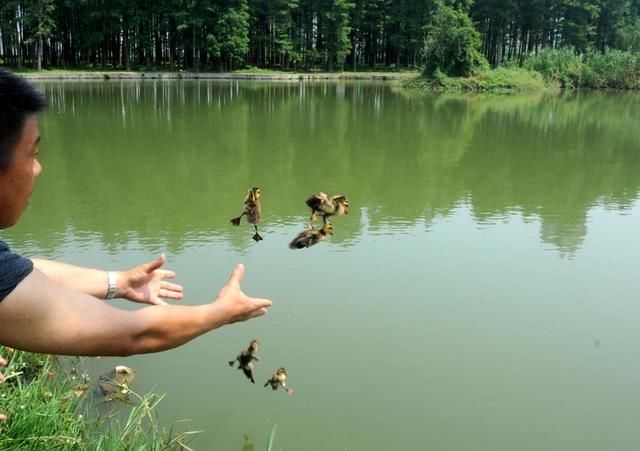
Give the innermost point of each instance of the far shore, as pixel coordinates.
(133, 75)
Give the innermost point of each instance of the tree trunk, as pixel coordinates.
(125, 46)
(39, 54)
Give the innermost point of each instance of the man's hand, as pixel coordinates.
(3, 362)
(236, 306)
(145, 283)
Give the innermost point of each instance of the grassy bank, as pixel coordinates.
(48, 406)
(550, 68)
(244, 74)
(501, 79)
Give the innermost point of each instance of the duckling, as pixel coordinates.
(279, 378)
(252, 210)
(114, 384)
(245, 357)
(311, 236)
(327, 206)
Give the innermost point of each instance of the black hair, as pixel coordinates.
(18, 100)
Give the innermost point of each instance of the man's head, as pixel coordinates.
(19, 137)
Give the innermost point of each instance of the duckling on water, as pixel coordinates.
(327, 205)
(311, 236)
(279, 378)
(245, 358)
(251, 209)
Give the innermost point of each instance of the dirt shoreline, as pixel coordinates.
(213, 76)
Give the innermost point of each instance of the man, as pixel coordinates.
(57, 308)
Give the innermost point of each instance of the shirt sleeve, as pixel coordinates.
(13, 269)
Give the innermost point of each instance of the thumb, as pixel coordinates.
(157, 263)
(237, 275)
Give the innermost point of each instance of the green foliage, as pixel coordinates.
(232, 29)
(579, 22)
(613, 69)
(453, 35)
(628, 35)
(452, 44)
(39, 18)
(335, 27)
(561, 65)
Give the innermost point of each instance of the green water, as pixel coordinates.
(481, 295)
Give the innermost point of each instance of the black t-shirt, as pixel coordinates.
(13, 268)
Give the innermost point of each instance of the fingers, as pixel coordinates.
(172, 287)
(157, 263)
(262, 303)
(2, 417)
(170, 292)
(260, 307)
(166, 274)
(237, 275)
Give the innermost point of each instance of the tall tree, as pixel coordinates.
(452, 44)
(335, 29)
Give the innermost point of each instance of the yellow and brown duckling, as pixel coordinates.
(251, 210)
(245, 358)
(327, 205)
(311, 236)
(114, 384)
(279, 378)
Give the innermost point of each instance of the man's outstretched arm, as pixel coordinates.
(145, 283)
(40, 315)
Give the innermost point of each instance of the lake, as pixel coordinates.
(482, 294)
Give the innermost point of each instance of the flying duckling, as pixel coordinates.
(279, 378)
(327, 205)
(245, 358)
(311, 236)
(251, 209)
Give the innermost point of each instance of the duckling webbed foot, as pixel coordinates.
(236, 221)
(257, 236)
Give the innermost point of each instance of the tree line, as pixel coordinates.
(305, 34)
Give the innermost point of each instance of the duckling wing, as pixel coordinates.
(319, 201)
(297, 244)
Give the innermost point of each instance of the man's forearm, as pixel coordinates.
(85, 280)
(171, 326)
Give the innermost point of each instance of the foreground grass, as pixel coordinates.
(47, 408)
